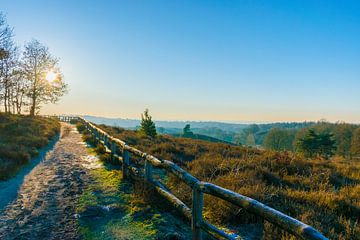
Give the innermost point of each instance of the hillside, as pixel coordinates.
(133, 123)
(20, 139)
(238, 133)
(202, 137)
(307, 189)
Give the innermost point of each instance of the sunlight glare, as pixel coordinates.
(50, 76)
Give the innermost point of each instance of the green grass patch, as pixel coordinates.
(107, 190)
(129, 215)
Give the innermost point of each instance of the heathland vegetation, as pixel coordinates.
(320, 189)
(20, 139)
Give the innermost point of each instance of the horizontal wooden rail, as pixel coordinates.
(285, 222)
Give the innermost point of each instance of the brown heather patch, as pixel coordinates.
(321, 193)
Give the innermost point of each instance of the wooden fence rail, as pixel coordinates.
(199, 188)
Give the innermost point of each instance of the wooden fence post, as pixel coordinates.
(197, 209)
(113, 151)
(105, 140)
(125, 163)
(96, 134)
(148, 171)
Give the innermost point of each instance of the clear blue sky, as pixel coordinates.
(201, 60)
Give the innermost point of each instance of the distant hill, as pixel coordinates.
(235, 133)
(133, 123)
(203, 137)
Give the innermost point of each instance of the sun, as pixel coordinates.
(51, 76)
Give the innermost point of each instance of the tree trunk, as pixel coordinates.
(32, 108)
(33, 96)
(5, 97)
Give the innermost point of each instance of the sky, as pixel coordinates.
(234, 61)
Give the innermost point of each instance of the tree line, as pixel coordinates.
(323, 139)
(29, 77)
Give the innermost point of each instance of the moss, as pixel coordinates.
(128, 221)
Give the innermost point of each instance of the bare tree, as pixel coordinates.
(9, 65)
(5, 34)
(6, 57)
(19, 89)
(37, 65)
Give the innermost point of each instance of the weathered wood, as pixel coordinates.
(174, 201)
(135, 151)
(283, 221)
(125, 163)
(106, 140)
(154, 161)
(197, 209)
(96, 134)
(148, 171)
(217, 232)
(179, 172)
(113, 151)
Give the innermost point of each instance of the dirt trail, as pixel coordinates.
(45, 206)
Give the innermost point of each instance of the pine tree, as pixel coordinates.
(187, 132)
(327, 146)
(355, 144)
(147, 125)
(317, 144)
(309, 144)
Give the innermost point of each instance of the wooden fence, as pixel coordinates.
(198, 223)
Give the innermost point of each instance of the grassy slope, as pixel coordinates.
(130, 216)
(20, 139)
(325, 194)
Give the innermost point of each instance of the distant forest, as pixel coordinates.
(327, 138)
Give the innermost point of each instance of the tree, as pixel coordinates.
(355, 143)
(313, 144)
(9, 65)
(343, 135)
(250, 140)
(327, 145)
(187, 132)
(37, 65)
(248, 135)
(309, 143)
(7, 61)
(5, 35)
(279, 139)
(19, 90)
(147, 125)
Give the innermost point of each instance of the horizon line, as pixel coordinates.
(221, 121)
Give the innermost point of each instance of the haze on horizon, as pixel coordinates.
(245, 61)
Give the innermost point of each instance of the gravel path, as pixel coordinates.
(45, 206)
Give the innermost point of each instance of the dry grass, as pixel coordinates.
(20, 139)
(321, 193)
